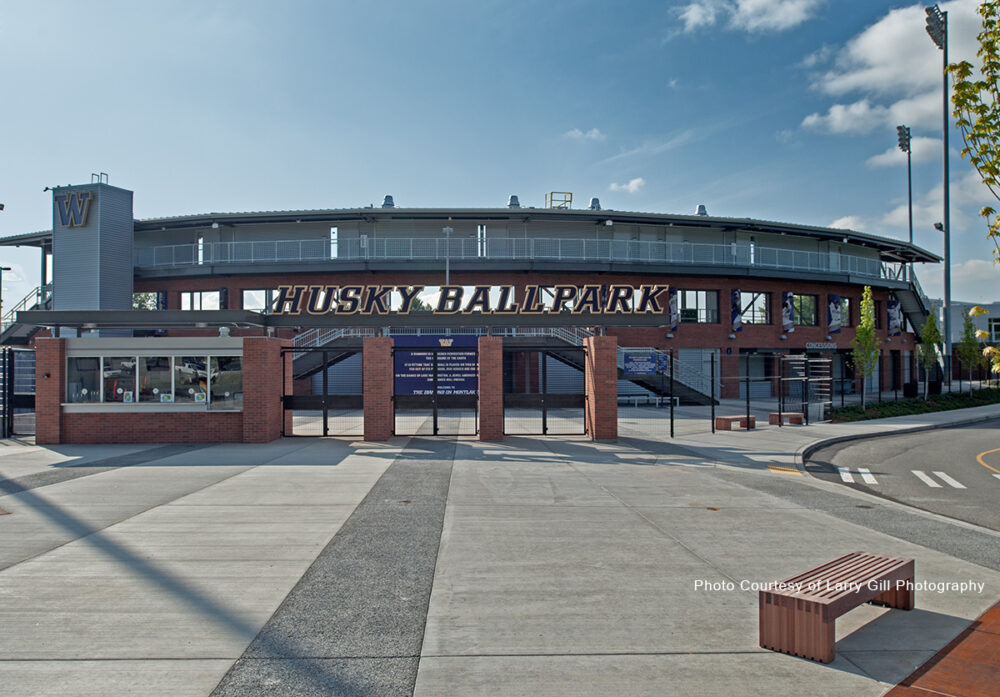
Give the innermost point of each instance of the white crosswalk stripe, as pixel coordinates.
(867, 475)
(845, 474)
(949, 481)
(926, 480)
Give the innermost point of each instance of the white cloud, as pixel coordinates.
(893, 71)
(924, 150)
(849, 222)
(655, 147)
(841, 119)
(862, 116)
(631, 187)
(748, 15)
(592, 134)
(974, 280)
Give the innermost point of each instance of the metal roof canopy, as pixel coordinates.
(201, 319)
(889, 248)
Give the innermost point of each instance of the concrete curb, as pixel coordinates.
(803, 454)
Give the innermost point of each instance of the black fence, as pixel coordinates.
(544, 391)
(437, 391)
(330, 399)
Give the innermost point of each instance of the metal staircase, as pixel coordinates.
(12, 333)
(691, 386)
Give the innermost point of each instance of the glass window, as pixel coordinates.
(701, 306)
(994, 329)
(845, 312)
(804, 310)
(200, 300)
(878, 314)
(190, 379)
(756, 307)
(226, 378)
(83, 381)
(119, 379)
(255, 300)
(154, 379)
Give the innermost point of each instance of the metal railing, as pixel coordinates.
(35, 298)
(692, 376)
(740, 254)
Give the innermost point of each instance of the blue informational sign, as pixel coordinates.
(640, 363)
(457, 371)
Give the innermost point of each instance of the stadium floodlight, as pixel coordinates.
(904, 144)
(937, 29)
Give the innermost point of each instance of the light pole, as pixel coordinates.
(937, 29)
(2, 269)
(447, 230)
(904, 144)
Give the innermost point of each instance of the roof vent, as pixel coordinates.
(387, 202)
(701, 210)
(513, 202)
(595, 204)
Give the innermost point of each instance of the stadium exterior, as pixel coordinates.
(736, 293)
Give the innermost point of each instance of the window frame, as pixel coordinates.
(703, 315)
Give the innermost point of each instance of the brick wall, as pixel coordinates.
(50, 359)
(260, 421)
(264, 379)
(377, 384)
(158, 427)
(490, 388)
(686, 336)
(601, 378)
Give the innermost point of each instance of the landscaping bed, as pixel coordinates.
(903, 407)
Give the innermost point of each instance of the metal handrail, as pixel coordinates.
(36, 297)
(739, 254)
(690, 376)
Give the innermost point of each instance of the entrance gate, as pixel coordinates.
(17, 392)
(436, 390)
(331, 402)
(544, 391)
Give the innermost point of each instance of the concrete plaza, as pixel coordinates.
(446, 566)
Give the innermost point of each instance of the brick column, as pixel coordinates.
(490, 388)
(729, 374)
(263, 386)
(50, 392)
(601, 378)
(377, 381)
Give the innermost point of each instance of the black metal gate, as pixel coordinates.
(17, 392)
(331, 402)
(436, 391)
(544, 391)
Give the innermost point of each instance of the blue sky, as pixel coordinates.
(774, 109)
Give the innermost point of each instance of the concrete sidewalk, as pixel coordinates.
(564, 567)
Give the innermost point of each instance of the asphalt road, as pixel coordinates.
(953, 472)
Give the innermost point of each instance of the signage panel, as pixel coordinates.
(640, 363)
(457, 371)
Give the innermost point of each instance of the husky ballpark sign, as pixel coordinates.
(464, 300)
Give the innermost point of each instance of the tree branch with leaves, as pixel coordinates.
(865, 344)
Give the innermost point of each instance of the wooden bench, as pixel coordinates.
(797, 615)
(725, 423)
(792, 417)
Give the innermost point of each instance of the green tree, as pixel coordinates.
(969, 353)
(143, 301)
(976, 106)
(865, 344)
(927, 349)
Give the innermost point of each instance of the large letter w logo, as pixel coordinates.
(74, 208)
